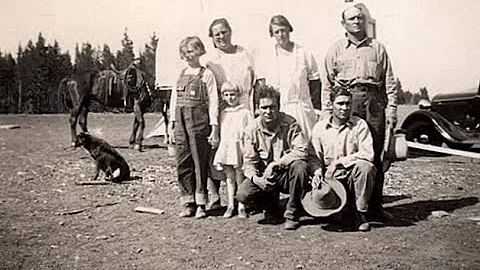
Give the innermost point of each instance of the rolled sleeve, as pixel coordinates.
(250, 155)
(390, 86)
(317, 148)
(328, 76)
(298, 146)
(313, 73)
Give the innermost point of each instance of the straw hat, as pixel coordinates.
(327, 200)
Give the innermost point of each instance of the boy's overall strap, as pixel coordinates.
(183, 72)
(200, 73)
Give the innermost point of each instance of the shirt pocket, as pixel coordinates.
(345, 69)
(373, 70)
(351, 145)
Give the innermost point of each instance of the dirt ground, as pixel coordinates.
(49, 222)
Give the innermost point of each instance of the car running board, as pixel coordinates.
(438, 149)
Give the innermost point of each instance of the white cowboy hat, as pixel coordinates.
(327, 200)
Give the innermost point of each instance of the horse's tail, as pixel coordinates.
(64, 93)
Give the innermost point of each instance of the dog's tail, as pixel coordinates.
(64, 93)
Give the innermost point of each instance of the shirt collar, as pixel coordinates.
(348, 124)
(366, 41)
(279, 127)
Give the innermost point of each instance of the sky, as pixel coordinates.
(431, 43)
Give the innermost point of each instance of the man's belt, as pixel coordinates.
(363, 87)
(354, 86)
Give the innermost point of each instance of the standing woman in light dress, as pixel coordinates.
(293, 71)
(234, 64)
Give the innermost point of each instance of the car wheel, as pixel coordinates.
(423, 132)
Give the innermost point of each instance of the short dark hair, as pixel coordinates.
(279, 20)
(218, 21)
(339, 91)
(266, 91)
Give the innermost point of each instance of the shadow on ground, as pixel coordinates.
(404, 214)
(394, 198)
(410, 213)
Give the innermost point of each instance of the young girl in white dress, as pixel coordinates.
(229, 156)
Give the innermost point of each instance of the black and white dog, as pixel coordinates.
(105, 158)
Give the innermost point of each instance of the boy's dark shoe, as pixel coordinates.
(272, 218)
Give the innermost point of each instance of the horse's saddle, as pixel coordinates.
(121, 86)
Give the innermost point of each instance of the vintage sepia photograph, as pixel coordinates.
(227, 134)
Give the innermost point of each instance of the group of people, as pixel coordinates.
(258, 127)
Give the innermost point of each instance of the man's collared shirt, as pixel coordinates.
(365, 62)
(350, 142)
(261, 146)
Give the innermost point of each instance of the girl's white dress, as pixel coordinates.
(233, 121)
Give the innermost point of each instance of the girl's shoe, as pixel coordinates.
(200, 212)
(229, 212)
(242, 213)
(188, 211)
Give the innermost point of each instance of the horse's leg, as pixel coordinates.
(73, 123)
(82, 121)
(131, 141)
(136, 124)
(139, 111)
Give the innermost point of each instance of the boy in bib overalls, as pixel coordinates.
(195, 127)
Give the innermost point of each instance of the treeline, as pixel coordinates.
(406, 97)
(29, 81)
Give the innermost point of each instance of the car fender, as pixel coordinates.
(447, 130)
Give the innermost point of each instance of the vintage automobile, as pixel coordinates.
(450, 118)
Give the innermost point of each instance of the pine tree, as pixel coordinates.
(8, 91)
(28, 78)
(85, 60)
(40, 68)
(424, 93)
(408, 97)
(126, 55)
(401, 98)
(59, 66)
(108, 58)
(147, 60)
(40, 97)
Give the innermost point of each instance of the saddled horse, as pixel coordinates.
(116, 89)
